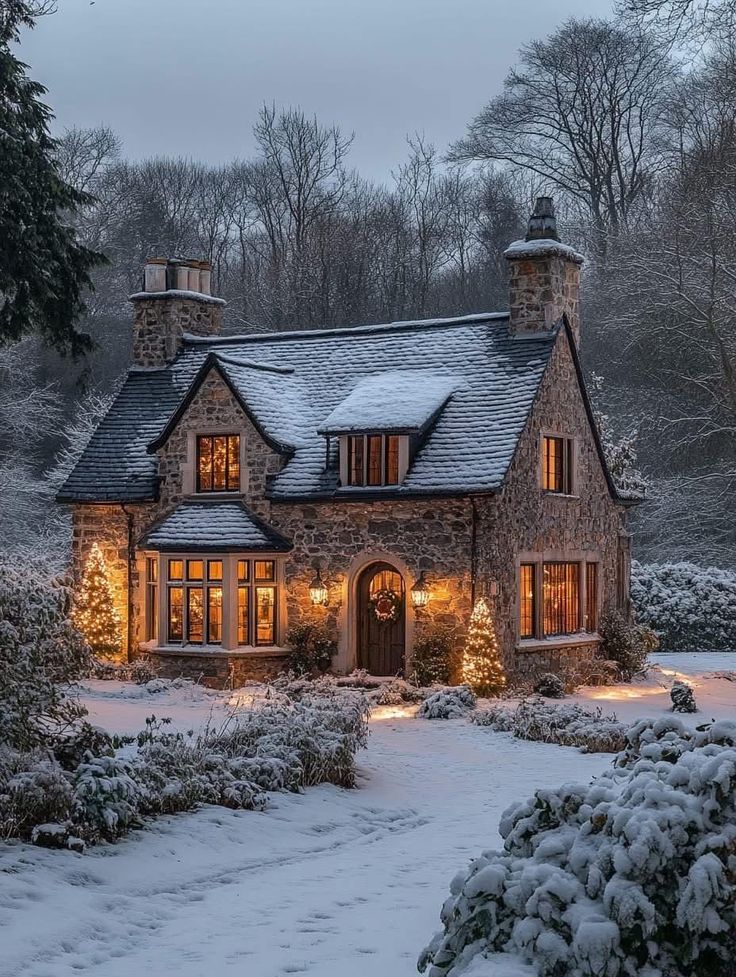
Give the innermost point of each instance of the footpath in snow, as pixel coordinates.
(322, 881)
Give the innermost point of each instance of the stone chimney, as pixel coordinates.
(544, 277)
(175, 299)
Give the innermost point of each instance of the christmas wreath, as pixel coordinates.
(385, 605)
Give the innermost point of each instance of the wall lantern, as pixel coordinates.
(318, 591)
(420, 592)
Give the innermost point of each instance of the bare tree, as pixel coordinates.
(582, 112)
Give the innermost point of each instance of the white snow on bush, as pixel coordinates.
(451, 703)
(689, 606)
(567, 725)
(630, 875)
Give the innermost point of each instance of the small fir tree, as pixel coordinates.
(94, 613)
(482, 667)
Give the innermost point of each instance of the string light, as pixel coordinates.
(94, 608)
(482, 667)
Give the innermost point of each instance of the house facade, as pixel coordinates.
(376, 480)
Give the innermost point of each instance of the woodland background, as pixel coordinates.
(629, 123)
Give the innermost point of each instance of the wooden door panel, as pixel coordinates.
(381, 644)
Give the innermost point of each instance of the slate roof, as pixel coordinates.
(216, 525)
(291, 384)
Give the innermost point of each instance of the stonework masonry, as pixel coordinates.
(341, 537)
(160, 318)
(542, 288)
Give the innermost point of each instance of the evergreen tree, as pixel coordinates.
(94, 612)
(482, 667)
(44, 270)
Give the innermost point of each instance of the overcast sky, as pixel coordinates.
(186, 77)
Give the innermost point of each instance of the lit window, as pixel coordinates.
(218, 463)
(373, 460)
(557, 465)
(591, 597)
(527, 601)
(257, 618)
(151, 598)
(195, 601)
(561, 598)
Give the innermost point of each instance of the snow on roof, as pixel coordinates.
(402, 401)
(543, 246)
(216, 525)
(292, 383)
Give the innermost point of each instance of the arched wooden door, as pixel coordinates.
(381, 620)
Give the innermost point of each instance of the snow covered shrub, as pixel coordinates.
(568, 725)
(40, 650)
(626, 643)
(683, 698)
(71, 747)
(690, 607)
(630, 875)
(550, 686)
(312, 648)
(106, 798)
(451, 703)
(33, 789)
(432, 658)
(140, 671)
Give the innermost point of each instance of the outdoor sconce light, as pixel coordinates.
(318, 591)
(420, 592)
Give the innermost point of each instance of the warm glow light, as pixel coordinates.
(420, 593)
(482, 667)
(95, 613)
(318, 591)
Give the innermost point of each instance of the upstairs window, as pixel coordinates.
(557, 465)
(218, 463)
(373, 460)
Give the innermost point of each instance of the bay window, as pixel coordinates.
(229, 600)
(557, 598)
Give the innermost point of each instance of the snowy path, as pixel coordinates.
(327, 883)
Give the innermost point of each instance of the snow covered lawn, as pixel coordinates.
(324, 880)
(323, 883)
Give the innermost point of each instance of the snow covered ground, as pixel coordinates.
(324, 882)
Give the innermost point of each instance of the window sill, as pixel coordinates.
(224, 494)
(214, 651)
(558, 641)
(560, 495)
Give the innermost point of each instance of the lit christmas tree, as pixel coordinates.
(94, 609)
(482, 667)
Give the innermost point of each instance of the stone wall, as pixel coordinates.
(541, 289)
(219, 670)
(160, 318)
(524, 520)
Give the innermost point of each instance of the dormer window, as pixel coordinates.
(373, 459)
(218, 463)
(558, 464)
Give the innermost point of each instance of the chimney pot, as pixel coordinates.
(543, 223)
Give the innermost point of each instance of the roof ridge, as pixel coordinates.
(402, 325)
(234, 360)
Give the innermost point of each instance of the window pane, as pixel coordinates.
(243, 615)
(195, 615)
(591, 597)
(243, 567)
(233, 463)
(392, 460)
(152, 569)
(356, 446)
(195, 569)
(214, 615)
(527, 601)
(265, 615)
(204, 464)
(175, 614)
(151, 611)
(219, 464)
(176, 569)
(264, 570)
(374, 460)
(561, 598)
(214, 569)
(552, 465)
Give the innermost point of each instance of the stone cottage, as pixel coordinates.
(375, 479)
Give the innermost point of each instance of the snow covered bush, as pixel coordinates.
(630, 875)
(683, 698)
(626, 643)
(34, 789)
(567, 725)
(690, 607)
(312, 648)
(550, 686)
(40, 651)
(432, 658)
(106, 798)
(451, 703)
